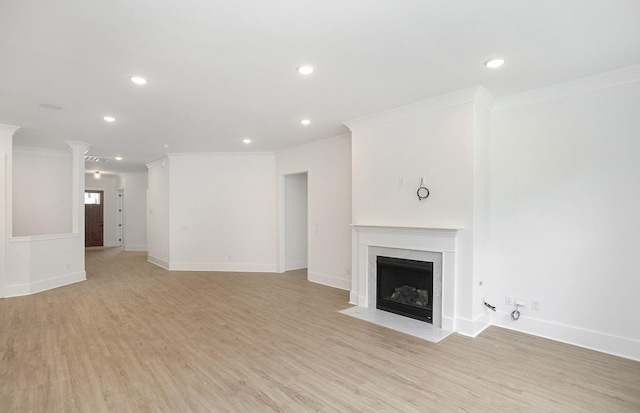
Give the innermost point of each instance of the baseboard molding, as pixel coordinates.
(225, 266)
(353, 298)
(295, 265)
(328, 280)
(471, 328)
(135, 247)
(17, 290)
(157, 261)
(593, 340)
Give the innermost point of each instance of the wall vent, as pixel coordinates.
(95, 159)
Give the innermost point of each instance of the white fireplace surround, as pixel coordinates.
(437, 245)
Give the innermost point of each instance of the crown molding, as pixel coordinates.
(477, 94)
(162, 162)
(322, 143)
(9, 128)
(575, 87)
(41, 151)
(216, 154)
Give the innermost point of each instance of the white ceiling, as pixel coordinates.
(220, 71)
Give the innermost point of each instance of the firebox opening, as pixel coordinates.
(405, 287)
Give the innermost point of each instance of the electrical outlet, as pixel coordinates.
(535, 305)
(520, 302)
(508, 300)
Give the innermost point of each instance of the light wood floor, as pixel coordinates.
(137, 338)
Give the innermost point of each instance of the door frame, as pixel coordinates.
(282, 218)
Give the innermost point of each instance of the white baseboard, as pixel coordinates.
(128, 247)
(353, 298)
(606, 343)
(472, 328)
(158, 261)
(224, 266)
(17, 290)
(295, 265)
(331, 281)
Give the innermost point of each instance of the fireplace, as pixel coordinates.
(405, 287)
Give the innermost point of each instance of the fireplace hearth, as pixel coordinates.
(405, 287)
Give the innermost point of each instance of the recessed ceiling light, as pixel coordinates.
(109, 118)
(246, 140)
(165, 145)
(305, 70)
(305, 121)
(494, 63)
(118, 158)
(139, 80)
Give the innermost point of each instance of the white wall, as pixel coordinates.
(108, 184)
(223, 212)
(328, 163)
(134, 186)
(443, 140)
(41, 191)
(296, 223)
(158, 212)
(564, 215)
(31, 264)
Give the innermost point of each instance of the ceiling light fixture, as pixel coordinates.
(305, 70)
(97, 175)
(139, 80)
(247, 141)
(494, 63)
(118, 158)
(305, 122)
(109, 118)
(166, 146)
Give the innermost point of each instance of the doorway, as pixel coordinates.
(93, 218)
(295, 217)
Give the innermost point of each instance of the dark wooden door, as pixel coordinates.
(93, 218)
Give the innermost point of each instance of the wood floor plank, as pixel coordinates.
(137, 338)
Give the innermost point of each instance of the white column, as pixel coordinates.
(78, 149)
(6, 185)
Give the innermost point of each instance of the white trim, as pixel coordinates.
(10, 129)
(329, 280)
(218, 154)
(42, 151)
(574, 87)
(353, 297)
(221, 266)
(17, 290)
(471, 328)
(594, 340)
(39, 238)
(315, 145)
(281, 225)
(158, 261)
(161, 162)
(295, 265)
(135, 247)
(475, 94)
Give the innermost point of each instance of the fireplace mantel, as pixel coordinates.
(407, 241)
